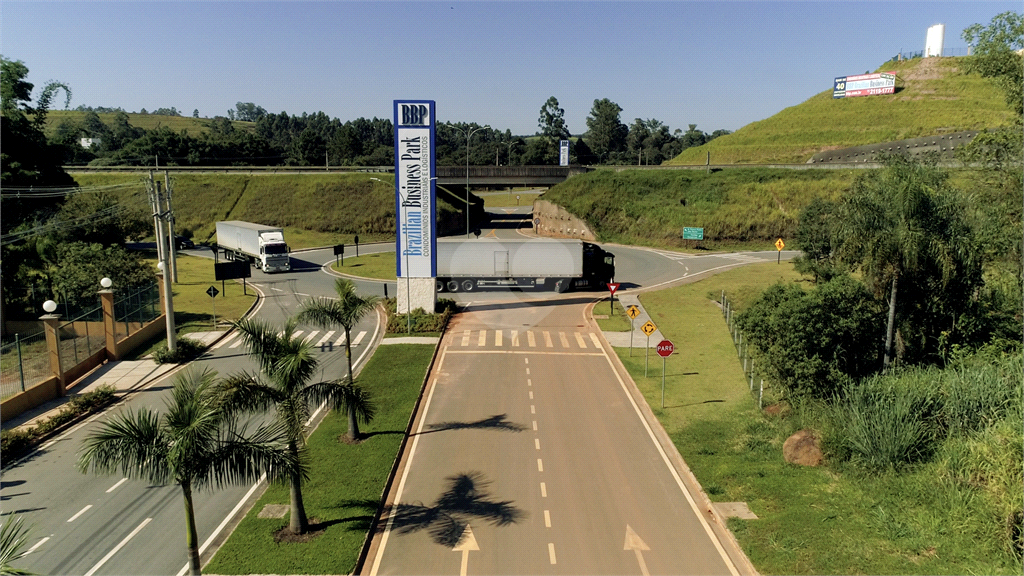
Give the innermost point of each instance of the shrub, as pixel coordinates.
(421, 321)
(187, 351)
(978, 393)
(17, 442)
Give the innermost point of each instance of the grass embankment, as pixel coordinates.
(932, 97)
(193, 307)
(193, 126)
(379, 265)
(835, 519)
(509, 200)
(345, 484)
(737, 208)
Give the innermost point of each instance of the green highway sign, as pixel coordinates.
(693, 233)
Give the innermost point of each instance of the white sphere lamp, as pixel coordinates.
(49, 306)
(106, 282)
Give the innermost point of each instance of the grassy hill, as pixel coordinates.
(193, 126)
(932, 97)
(316, 210)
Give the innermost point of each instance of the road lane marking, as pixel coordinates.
(540, 465)
(515, 337)
(536, 443)
(672, 470)
(236, 344)
(530, 340)
(531, 352)
(543, 490)
(118, 547)
(531, 394)
(580, 340)
(527, 360)
(533, 409)
(497, 337)
(547, 339)
(563, 339)
(36, 546)
(527, 371)
(340, 341)
(551, 552)
(534, 425)
(597, 343)
(325, 338)
(297, 333)
(114, 487)
(465, 338)
(359, 338)
(310, 336)
(80, 512)
(225, 341)
(547, 519)
(529, 382)
(482, 340)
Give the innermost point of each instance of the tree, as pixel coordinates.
(74, 268)
(288, 364)
(904, 223)
(344, 311)
(193, 444)
(814, 236)
(13, 540)
(552, 129)
(605, 132)
(249, 112)
(195, 113)
(996, 56)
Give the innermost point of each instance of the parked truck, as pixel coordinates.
(257, 243)
(464, 265)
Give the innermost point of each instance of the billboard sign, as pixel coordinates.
(864, 85)
(415, 191)
(563, 152)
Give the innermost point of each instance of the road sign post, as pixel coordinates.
(612, 287)
(779, 245)
(633, 311)
(665, 348)
(648, 329)
(339, 250)
(212, 292)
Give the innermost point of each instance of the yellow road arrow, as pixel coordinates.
(634, 543)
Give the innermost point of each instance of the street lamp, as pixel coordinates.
(106, 282)
(469, 134)
(49, 306)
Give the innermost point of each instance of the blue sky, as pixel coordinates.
(714, 64)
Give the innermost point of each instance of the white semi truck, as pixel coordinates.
(257, 243)
(464, 265)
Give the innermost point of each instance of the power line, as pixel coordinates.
(57, 191)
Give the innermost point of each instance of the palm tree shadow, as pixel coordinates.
(496, 422)
(465, 501)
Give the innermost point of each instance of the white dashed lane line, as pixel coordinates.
(80, 512)
(115, 486)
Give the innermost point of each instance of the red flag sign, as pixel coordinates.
(665, 348)
(612, 287)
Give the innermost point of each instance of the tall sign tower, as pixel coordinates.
(415, 211)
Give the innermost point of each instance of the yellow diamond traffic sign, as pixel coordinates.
(779, 244)
(632, 312)
(649, 328)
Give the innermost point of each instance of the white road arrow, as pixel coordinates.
(466, 543)
(634, 543)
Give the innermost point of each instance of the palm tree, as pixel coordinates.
(194, 444)
(348, 309)
(904, 221)
(13, 538)
(288, 364)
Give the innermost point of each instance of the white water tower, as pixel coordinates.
(934, 40)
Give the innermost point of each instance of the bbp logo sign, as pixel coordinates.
(414, 114)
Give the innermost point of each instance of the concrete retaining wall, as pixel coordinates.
(556, 222)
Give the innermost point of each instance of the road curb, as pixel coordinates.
(736, 554)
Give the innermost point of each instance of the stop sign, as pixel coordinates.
(665, 348)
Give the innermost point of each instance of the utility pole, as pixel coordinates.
(171, 237)
(163, 255)
(154, 206)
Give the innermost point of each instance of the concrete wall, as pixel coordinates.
(555, 222)
(422, 294)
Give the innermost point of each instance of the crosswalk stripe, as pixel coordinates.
(295, 334)
(515, 337)
(563, 339)
(547, 339)
(597, 343)
(482, 340)
(530, 340)
(226, 340)
(236, 343)
(359, 338)
(580, 340)
(341, 340)
(497, 337)
(465, 338)
(310, 336)
(325, 338)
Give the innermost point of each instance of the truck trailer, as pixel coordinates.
(257, 243)
(464, 265)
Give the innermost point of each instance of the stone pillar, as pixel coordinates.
(109, 324)
(416, 293)
(51, 324)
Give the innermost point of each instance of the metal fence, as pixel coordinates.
(81, 337)
(757, 385)
(24, 362)
(135, 309)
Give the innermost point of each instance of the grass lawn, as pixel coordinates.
(299, 239)
(825, 520)
(193, 307)
(380, 265)
(617, 322)
(505, 200)
(345, 484)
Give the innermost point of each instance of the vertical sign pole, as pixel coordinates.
(663, 359)
(214, 299)
(631, 337)
(647, 355)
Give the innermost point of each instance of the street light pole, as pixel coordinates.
(469, 134)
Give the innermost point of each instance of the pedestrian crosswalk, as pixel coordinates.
(326, 341)
(539, 339)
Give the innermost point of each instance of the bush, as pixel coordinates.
(421, 321)
(187, 351)
(17, 442)
(978, 392)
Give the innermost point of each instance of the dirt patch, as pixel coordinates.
(344, 439)
(927, 69)
(315, 531)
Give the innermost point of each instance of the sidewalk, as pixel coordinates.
(621, 339)
(124, 375)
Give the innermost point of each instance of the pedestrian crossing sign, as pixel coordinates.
(649, 328)
(632, 312)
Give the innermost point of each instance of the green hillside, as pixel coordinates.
(193, 126)
(317, 210)
(931, 97)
